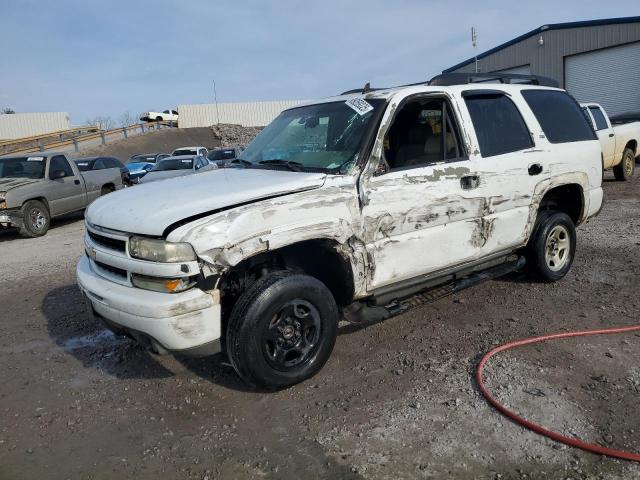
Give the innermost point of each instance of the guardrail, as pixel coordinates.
(96, 133)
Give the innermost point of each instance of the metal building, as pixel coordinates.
(19, 125)
(247, 114)
(596, 60)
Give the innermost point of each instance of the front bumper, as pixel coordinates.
(10, 218)
(186, 323)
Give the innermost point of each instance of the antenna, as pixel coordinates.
(474, 42)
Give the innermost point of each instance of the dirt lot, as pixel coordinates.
(396, 400)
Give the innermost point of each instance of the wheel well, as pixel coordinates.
(317, 258)
(108, 186)
(39, 199)
(633, 145)
(565, 198)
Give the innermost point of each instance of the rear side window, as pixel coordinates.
(498, 124)
(100, 164)
(598, 117)
(559, 116)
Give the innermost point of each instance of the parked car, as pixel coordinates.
(177, 167)
(36, 188)
(100, 163)
(626, 117)
(223, 156)
(346, 207)
(148, 157)
(164, 116)
(619, 142)
(137, 170)
(202, 151)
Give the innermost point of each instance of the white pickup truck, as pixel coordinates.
(345, 208)
(619, 142)
(164, 116)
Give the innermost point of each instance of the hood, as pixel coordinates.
(148, 209)
(152, 176)
(7, 184)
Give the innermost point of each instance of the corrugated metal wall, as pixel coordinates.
(248, 114)
(18, 125)
(548, 59)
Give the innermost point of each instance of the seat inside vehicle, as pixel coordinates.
(416, 135)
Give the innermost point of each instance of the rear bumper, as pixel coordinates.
(186, 323)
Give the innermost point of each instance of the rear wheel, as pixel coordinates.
(624, 170)
(106, 190)
(35, 219)
(552, 246)
(282, 330)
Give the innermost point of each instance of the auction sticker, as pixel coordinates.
(360, 105)
(35, 159)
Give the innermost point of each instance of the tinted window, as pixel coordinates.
(60, 163)
(85, 165)
(585, 111)
(114, 163)
(598, 116)
(100, 164)
(222, 154)
(559, 116)
(174, 164)
(498, 124)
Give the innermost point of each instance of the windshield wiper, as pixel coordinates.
(293, 166)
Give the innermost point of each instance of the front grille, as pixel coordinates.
(113, 270)
(112, 243)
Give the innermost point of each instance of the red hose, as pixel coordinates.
(590, 447)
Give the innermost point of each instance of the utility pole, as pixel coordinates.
(474, 42)
(215, 99)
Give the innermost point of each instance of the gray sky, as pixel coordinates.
(93, 58)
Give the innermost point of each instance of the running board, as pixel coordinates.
(364, 312)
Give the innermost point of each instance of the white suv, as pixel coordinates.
(347, 207)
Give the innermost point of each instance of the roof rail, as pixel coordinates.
(367, 88)
(457, 78)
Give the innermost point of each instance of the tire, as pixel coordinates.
(106, 190)
(624, 170)
(263, 339)
(36, 219)
(158, 119)
(552, 246)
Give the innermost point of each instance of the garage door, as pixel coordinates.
(610, 77)
(522, 70)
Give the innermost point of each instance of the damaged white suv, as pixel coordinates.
(343, 209)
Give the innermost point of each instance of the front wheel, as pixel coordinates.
(552, 246)
(624, 170)
(35, 219)
(282, 330)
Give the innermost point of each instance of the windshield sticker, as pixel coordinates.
(360, 105)
(185, 161)
(35, 159)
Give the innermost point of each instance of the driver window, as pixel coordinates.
(422, 134)
(60, 163)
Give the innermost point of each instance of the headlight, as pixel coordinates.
(3, 199)
(160, 251)
(164, 285)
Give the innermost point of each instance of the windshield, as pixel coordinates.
(138, 165)
(142, 158)
(222, 155)
(23, 167)
(174, 164)
(185, 151)
(325, 136)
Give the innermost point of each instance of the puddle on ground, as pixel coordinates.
(98, 339)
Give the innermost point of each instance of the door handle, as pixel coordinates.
(470, 182)
(535, 169)
(76, 181)
(611, 134)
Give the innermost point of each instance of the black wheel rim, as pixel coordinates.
(292, 336)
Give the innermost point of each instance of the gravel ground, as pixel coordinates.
(396, 400)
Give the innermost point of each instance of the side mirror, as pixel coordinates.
(57, 174)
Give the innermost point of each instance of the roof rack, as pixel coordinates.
(445, 79)
(367, 88)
